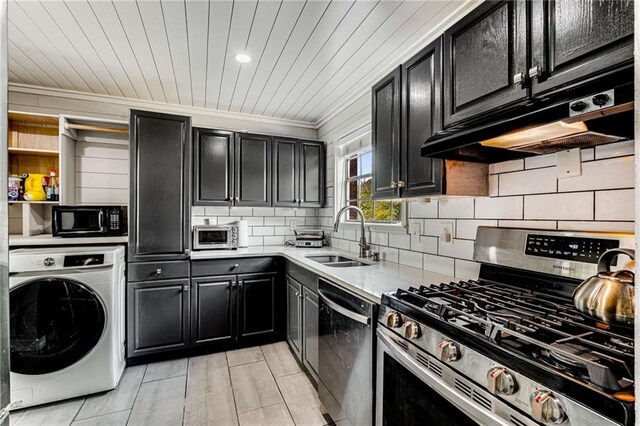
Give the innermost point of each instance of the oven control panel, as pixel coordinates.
(578, 249)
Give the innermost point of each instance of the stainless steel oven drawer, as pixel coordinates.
(148, 271)
(208, 267)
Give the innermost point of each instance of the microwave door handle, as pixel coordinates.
(344, 311)
(101, 220)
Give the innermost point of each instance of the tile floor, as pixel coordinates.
(253, 386)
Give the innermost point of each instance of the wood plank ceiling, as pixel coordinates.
(308, 57)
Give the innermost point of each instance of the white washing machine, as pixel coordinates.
(67, 322)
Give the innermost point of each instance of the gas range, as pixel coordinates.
(509, 347)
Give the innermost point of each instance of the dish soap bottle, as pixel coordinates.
(53, 194)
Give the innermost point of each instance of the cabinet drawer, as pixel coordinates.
(303, 276)
(204, 268)
(158, 270)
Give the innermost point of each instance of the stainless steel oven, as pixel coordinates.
(207, 237)
(414, 388)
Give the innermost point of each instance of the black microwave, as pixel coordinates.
(88, 221)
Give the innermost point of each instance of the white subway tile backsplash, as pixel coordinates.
(216, 211)
(615, 205)
(197, 211)
(241, 211)
(255, 241)
(421, 209)
(466, 229)
(442, 265)
(462, 249)
(494, 188)
(617, 149)
(537, 181)
(285, 212)
(400, 241)
(574, 205)
(456, 208)
(264, 211)
(389, 254)
(587, 154)
(224, 220)
(263, 230)
(273, 241)
(380, 238)
(283, 230)
(254, 220)
(274, 221)
(533, 224)
(506, 166)
(499, 208)
(432, 227)
(539, 161)
(411, 258)
(602, 174)
(425, 245)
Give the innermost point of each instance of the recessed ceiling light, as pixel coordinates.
(242, 58)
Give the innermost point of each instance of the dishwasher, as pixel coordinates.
(346, 351)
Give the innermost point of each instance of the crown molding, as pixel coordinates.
(146, 104)
(465, 7)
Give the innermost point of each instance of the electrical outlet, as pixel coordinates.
(447, 232)
(414, 231)
(293, 224)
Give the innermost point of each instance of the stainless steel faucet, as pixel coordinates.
(364, 247)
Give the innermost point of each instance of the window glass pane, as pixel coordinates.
(352, 190)
(352, 167)
(367, 208)
(388, 211)
(364, 188)
(352, 215)
(365, 163)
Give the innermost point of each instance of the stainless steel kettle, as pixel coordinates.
(608, 296)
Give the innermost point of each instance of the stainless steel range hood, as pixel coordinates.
(598, 118)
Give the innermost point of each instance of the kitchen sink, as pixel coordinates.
(336, 261)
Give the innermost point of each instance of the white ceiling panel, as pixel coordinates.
(309, 58)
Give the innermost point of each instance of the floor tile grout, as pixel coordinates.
(279, 390)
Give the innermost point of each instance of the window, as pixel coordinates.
(359, 187)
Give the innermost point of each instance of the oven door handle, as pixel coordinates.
(439, 386)
(362, 319)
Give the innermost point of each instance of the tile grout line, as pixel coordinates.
(286, 404)
(233, 394)
(137, 393)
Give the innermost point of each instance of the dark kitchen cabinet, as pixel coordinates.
(298, 173)
(312, 165)
(213, 167)
(253, 170)
(212, 309)
(160, 196)
(286, 172)
(157, 316)
(485, 61)
(257, 305)
(310, 332)
(577, 39)
(385, 132)
(294, 316)
(421, 118)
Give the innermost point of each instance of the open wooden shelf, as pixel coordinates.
(34, 202)
(33, 152)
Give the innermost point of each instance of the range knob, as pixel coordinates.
(578, 106)
(546, 408)
(411, 330)
(393, 319)
(500, 381)
(448, 351)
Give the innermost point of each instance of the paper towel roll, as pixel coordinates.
(243, 233)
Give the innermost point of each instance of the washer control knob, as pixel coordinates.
(546, 408)
(49, 261)
(500, 381)
(448, 351)
(393, 319)
(411, 330)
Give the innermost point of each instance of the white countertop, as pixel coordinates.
(368, 282)
(50, 240)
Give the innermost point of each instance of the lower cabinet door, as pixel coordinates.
(256, 305)
(310, 334)
(212, 309)
(157, 316)
(294, 316)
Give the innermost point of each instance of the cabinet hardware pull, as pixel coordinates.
(519, 78)
(159, 271)
(301, 200)
(535, 71)
(394, 184)
(186, 288)
(401, 184)
(236, 266)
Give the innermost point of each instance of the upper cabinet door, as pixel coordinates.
(160, 196)
(574, 39)
(485, 57)
(213, 167)
(385, 136)
(311, 174)
(253, 170)
(421, 118)
(286, 183)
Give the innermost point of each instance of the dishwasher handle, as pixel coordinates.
(362, 319)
